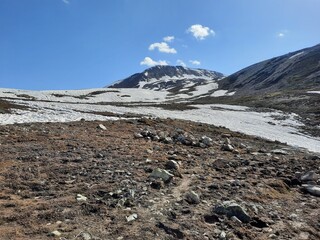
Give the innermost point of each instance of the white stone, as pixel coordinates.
(81, 198)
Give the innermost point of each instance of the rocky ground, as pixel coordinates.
(153, 179)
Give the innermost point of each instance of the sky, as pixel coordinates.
(78, 44)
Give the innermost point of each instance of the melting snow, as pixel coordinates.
(317, 92)
(203, 89)
(49, 108)
(220, 93)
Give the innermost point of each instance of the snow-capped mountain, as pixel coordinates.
(170, 78)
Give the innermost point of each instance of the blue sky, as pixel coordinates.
(76, 44)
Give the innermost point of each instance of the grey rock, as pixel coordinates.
(309, 176)
(279, 152)
(206, 141)
(231, 209)
(223, 235)
(168, 140)
(227, 141)
(86, 236)
(171, 164)
(192, 197)
(313, 190)
(227, 147)
(162, 174)
(55, 233)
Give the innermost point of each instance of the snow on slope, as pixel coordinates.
(236, 118)
(88, 95)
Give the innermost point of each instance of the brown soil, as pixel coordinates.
(43, 166)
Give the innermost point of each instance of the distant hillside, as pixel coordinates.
(293, 71)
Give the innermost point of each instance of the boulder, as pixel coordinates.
(172, 165)
(231, 209)
(312, 189)
(309, 177)
(227, 147)
(206, 141)
(162, 174)
(192, 197)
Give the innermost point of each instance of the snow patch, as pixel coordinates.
(220, 93)
(296, 55)
(47, 106)
(317, 92)
(203, 89)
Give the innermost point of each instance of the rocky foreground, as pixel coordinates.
(153, 179)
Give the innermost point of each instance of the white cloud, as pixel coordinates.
(162, 47)
(200, 32)
(282, 34)
(66, 1)
(150, 63)
(195, 62)
(181, 63)
(168, 39)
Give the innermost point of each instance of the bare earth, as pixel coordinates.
(44, 166)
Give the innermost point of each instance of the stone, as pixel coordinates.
(167, 140)
(279, 152)
(132, 217)
(174, 168)
(81, 198)
(192, 197)
(171, 164)
(206, 141)
(162, 174)
(138, 135)
(102, 127)
(309, 177)
(227, 147)
(55, 233)
(86, 236)
(231, 209)
(223, 235)
(312, 189)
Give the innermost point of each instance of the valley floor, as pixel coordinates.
(96, 180)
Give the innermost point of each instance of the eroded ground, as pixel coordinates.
(79, 181)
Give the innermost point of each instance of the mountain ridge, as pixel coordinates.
(292, 71)
(168, 77)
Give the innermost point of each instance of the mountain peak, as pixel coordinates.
(168, 77)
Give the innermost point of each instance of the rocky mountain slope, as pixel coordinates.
(158, 179)
(169, 78)
(293, 71)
